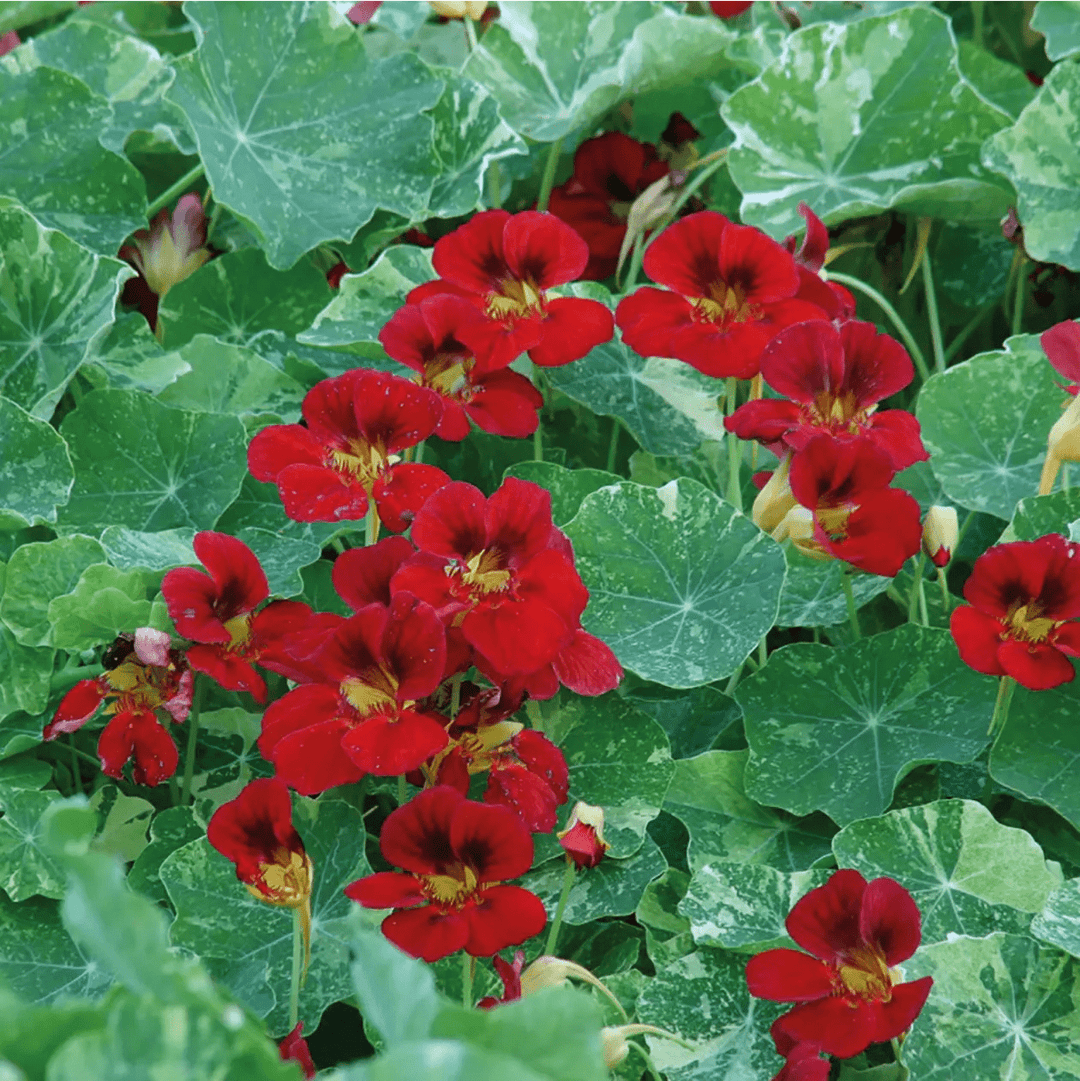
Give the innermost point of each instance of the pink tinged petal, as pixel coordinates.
(804, 361)
(76, 707)
(839, 1025)
(1035, 665)
(319, 494)
(387, 889)
(898, 1015)
(1061, 344)
(890, 920)
(281, 445)
(492, 840)
(540, 248)
(362, 576)
(503, 916)
(451, 523)
(152, 646)
(826, 920)
(571, 328)
(587, 666)
(179, 706)
(788, 976)
(430, 933)
(416, 836)
(387, 746)
(229, 670)
(977, 637)
(402, 490)
(877, 366)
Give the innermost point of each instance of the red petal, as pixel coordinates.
(417, 835)
(388, 746)
(294, 1048)
(826, 920)
(239, 584)
(542, 249)
(229, 670)
(1061, 344)
(387, 889)
(429, 933)
(1035, 665)
(890, 920)
(251, 828)
(517, 521)
(271, 634)
(281, 445)
(650, 318)
(722, 351)
(543, 758)
(394, 413)
(877, 366)
(685, 256)
(525, 794)
(898, 1015)
(503, 403)
(471, 257)
(493, 840)
(320, 494)
(977, 638)
(1008, 575)
(414, 647)
(804, 361)
(883, 532)
(454, 426)
(811, 252)
(1067, 639)
(451, 522)
(362, 576)
(587, 666)
(139, 734)
(330, 409)
(407, 339)
(503, 916)
(403, 489)
(898, 433)
(839, 1025)
(571, 328)
(788, 976)
(516, 636)
(76, 707)
(755, 262)
(766, 420)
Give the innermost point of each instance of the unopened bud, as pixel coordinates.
(775, 499)
(1062, 446)
(614, 1046)
(650, 207)
(548, 971)
(583, 838)
(460, 9)
(939, 534)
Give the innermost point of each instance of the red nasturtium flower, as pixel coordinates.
(849, 992)
(836, 301)
(294, 1048)
(378, 663)
(505, 264)
(1023, 600)
(216, 609)
(357, 423)
(804, 1061)
(610, 172)
(834, 378)
(439, 338)
(143, 674)
(456, 857)
(1061, 344)
(583, 839)
(730, 288)
(728, 9)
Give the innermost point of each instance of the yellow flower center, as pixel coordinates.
(371, 691)
(1026, 623)
(867, 975)
(725, 304)
(363, 460)
(453, 888)
(286, 881)
(485, 574)
(448, 374)
(515, 298)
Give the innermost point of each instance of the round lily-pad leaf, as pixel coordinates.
(568, 487)
(1041, 514)
(682, 585)
(835, 730)
(1001, 1006)
(104, 603)
(1059, 23)
(814, 593)
(1059, 921)
(36, 474)
(985, 423)
(969, 874)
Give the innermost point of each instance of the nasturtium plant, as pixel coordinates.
(539, 541)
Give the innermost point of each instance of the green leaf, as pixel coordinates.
(366, 301)
(130, 549)
(568, 487)
(708, 796)
(33, 1034)
(304, 137)
(682, 585)
(1039, 154)
(20, 13)
(860, 118)
(813, 593)
(129, 357)
(619, 760)
(1059, 921)
(692, 721)
(438, 1060)
(1038, 752)
(247, 943)
(612, 888)
(105, 602)
(668, 407)
(835, 730)
(26, 867)
(19, 732)
(1001, 1006)
(282, 558)
(36, 474)
(1041, 514)
(239, 296)
(703, 998)
(258, 506)
(1059, 23)
(56, 297)
(171, 829)
(37, 573)
(469, 136)
(225, 378)
(986, 422)
(1001, 83)
(971, 264)
(143, 465)
(54, 165)
(969, 875)
(667, 932)
(24, 675)
(38, 960)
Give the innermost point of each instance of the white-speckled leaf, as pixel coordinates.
(129, 357)
(568, 487)
(1001, 1007)
(1059, 22)
(744, 905)
(708, 796)
(857, 118)
(835, 730)
(282, 558)
(52, 162)
(682, 586)
(130, 549)
(813, 593)
(1041, 156)
(56, 298)
(1059, 921)
(985, 423)
(143, 465)
(1041, 514)
(969, 874)
(1038, 753)
(258, 506)
(26, 868)
(104, 603)
(36, 474)
(247, 943)
(303, 136)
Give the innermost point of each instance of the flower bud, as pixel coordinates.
(775, 499)
(940, 533)
(1062, 446)
(460, 9)
(614, 1046)
(583, 837)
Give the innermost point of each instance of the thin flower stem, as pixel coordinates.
(494, 185)
(455, 695)
(923, 613)
(468, 967)
(973, 324)
(470, 34)
(192, 738)
(402, 790)
(932, 313)
(215, 217)
(297, 968)
(964, 526)
(613, 445)
(1001, 705)
(734, 448)
(913, 595)
(76, 773)
(734, 681)
(891, 312)
(418, 454)
(371, 524)
(903, 1073)
(547, 181)
(538, 435)
(175, 190)
(977, 28)
(649, 1064)
(1018, 298)
(762, 650)
(553, 934)
(852, 611)
(636, 256)
(946, 600)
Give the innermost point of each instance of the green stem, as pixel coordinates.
(734, 681)
(852, 611)
(964, 526)
(945, 599)
(494, 185)
(418, 455)
(470, 33)
(535, 714)
(613, 445)
(192, 738)
(297, 967)
(1001, 705)
(371, 524)
(903, 1073)
(547, 181)
(636, 255)
(455, 695)
(215, 217)
(923, 613)
(649, 1064)
(913, 596)
(891, 312)
(175, 190)
(932, 313)
(973, 324)
(76, 773)
(402, 790)
(538, 435)
(1018, 299)
(553, 934)
(763, 650)
(977, 24)
(468, 966)
(734, 448)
